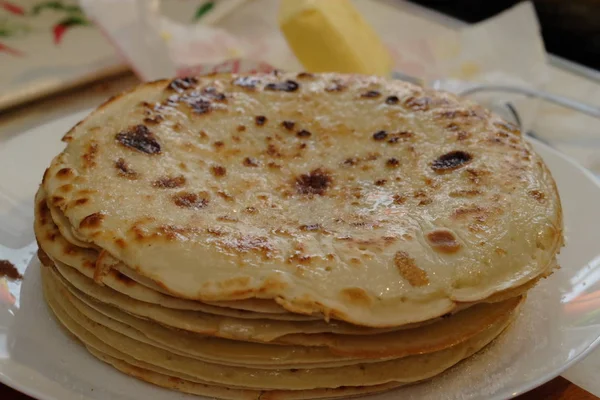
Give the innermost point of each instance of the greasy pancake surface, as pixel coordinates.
(377, 202)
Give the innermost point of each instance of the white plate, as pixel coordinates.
(555, 330)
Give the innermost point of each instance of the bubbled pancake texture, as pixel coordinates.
(333, 231)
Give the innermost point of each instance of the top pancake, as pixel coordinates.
(374, 201)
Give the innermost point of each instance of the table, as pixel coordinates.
(557, 389)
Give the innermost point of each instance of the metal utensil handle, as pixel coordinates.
(560, 100)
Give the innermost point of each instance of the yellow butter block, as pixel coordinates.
(332, 36)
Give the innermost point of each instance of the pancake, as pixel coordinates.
(370, 201)
(404, 370)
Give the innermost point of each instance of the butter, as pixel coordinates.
(332, 36)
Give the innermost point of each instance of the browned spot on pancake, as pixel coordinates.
(380, 182)
(250, 210)
(124, 279)
(356, 295)
(371, 94)
(190, 200)
(303, 133)
(273, 151)
(64, 173)
(139, 138)
(81, 201)
(399, 199)
(89, 156)
(451, 161)
(175, 232)
(509, 127)
(444, 241)
(380, 135)
(91, 221)
(409, 270)
(218, 170)
(273, 165)
(260, 120)
(169, 182)
(181, 84)
(249, 243)
(121, 243)
(392, 100)
(218, 144)
(8, 270)
(305, 75)
(65, 188)
(215, 231)
(227, 218)
(43, 257)
(250, 162)
(153, 120)
(336, 86)
(241, 128)
(124, 169)
(392, 162)
(350, 162)
(500, 252)
(465, 193)
(289, 125)
(539, 196)
(418, 103)
(247, 82)
(286, 86)
(311, 227)
(315, 182)
(43, 211)
(57, 201)
(465, 211)
(398, 136)
(224, 195)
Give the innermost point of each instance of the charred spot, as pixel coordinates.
(444, 241)
(451, 161)
(260, 120)
(182, 84)
(315, 182)
(380, 135)
(310, 227)
(92, 221)
(371, 94)
(418, 103)
(139, 138)
(190, 200)
(380, 182)
(305, 75)
(392, 162)
(303, 133)
(124, 170)
(218, 170)
(539, 196)
(241, 128)
(199, 105)
(247, 82)
(286, 86)
(250, 162)
(64, 173)
(169, 182)
(392, 100)
(289, 125)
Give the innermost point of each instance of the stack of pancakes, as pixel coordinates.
(292, 236)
